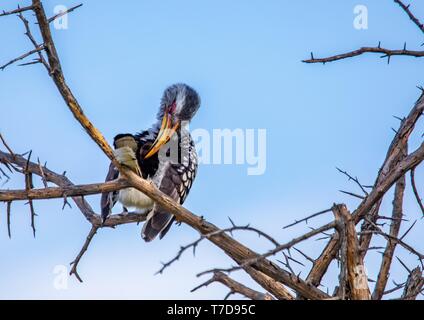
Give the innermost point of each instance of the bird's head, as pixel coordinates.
(179, 104)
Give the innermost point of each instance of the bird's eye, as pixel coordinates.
(173, 107)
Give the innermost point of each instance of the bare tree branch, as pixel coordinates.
(274, 251)
(25, 55)
(383, 275)
(354, 179)
(410, 14)
(60, 192)
(307, 218)
(414, 285)
(84, 248)
(61, 14)
(387, 53)
(19, 10)
(8, 211)
(34, 43)
(235, 287)
(414, 188)
(355, 270)
(63, 182)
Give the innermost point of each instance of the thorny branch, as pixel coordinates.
(397, 214)
(84, 248)
(410, 14)
(414, 188)
(235, 287)
(385, 53)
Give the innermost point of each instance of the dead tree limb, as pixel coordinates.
(60, 192)
(235, 287)
(61, 14)
(410, 15)
(415, 190)
(355, 269)
(386, 53)
(386, 262)
(63, 182)
(414, 285)
(84, 248)
(16, 11)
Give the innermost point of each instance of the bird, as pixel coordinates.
(165, 155)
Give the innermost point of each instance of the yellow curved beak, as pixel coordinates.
(165, 133)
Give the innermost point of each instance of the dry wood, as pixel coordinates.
(387, 53)
(355, 269)
(414, 284)
(383, 275)
(235, 287)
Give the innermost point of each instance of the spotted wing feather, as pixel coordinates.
(176, 181)
(109, 199)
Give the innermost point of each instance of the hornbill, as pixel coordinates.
(164, 154)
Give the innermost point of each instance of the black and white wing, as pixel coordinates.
(109, 199)
(175, 180)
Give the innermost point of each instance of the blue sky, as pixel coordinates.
(244, 58)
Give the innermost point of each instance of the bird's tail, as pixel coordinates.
(158, 222)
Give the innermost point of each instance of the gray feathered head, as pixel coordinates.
(181, 101)
(178, 106)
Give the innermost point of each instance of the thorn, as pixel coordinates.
(404, 265)
(231, 221)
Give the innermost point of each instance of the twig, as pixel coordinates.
(43, 176)
(407, 231)
(272, 252)
(19, 10)
(353, 179)
(235, 287)
(387, 53)
(8, 211)
(28, 187)
(396, 288)
(6, 145)
(37, 49)
(84, 248)
(304, 255)
(404, 265)
(410, 14)
(193, 245)
(34, 43)
(414, 188)
(352, 194)
(400, 242)
(307, 218)
(60, 14)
